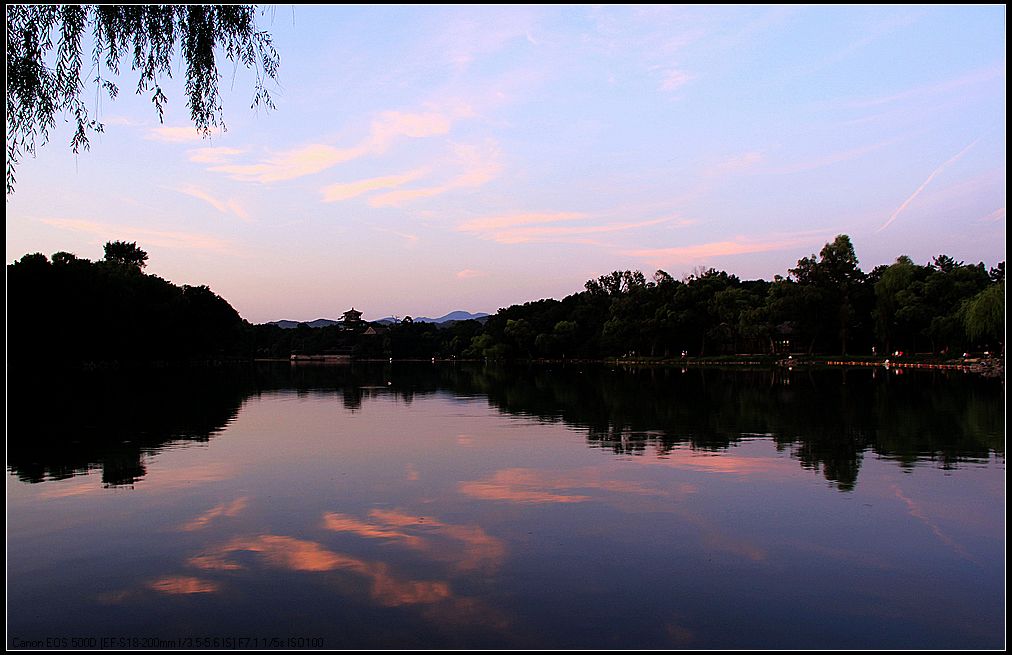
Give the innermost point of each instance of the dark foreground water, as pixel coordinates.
(417, 506)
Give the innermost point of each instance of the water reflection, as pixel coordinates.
(183, 584)
(467, 547)
(828, 420)
(483, 507)
(533, 486)
(231, 509)
(71, 424)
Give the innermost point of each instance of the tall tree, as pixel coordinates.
(835, 277)
(41, 83)
(984, 315)
(125, 254)
(892, 287)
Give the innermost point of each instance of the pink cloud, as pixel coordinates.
(513, 220)
(386, 129)
(411, 239)
(704, 251)
(217, 155)
(541, 227)
(230, 206)
(995, 216)
(675, 79)
(163, 238)
(479, 165)
(390, 125)
(344, 191)
(292, 164)
(542, 233)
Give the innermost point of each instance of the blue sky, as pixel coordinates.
(426, 159)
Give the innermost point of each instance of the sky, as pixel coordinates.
(425, 159)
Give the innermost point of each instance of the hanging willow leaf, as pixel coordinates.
(42, 83)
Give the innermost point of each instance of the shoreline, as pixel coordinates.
(987, 366)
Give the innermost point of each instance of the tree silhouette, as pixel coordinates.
(984, 315)
(39, 88)
(833, 281)
(123, 253)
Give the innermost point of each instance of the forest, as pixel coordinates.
(72, 310)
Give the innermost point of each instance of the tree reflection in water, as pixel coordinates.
(827, 419)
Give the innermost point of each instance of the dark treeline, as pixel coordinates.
(69, 310)
(67, 423)
(828, 420)
(825, 305)
(73, 310)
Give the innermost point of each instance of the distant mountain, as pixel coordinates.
(458, 315)
(320, 322)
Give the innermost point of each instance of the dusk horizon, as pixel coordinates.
(478, 323)
(422, 160)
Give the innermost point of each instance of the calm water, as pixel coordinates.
(419, 506)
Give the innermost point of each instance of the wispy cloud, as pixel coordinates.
(934, 173)
(831, 158)
(410, 238)
(230, 206)
(149, 237)
(469, 273)
(346, 190)
(214, 155)
(973, 78)
(176, 134)
(466, 37)
(875, 31)
(705, 251)
(995, 216)
(509, 221)
(735, 164)
(541, 233)
(479, 164)
(292, 164)
(673, 79)
(541, 227)
(387, 128)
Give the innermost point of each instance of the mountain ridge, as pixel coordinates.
(457, 315)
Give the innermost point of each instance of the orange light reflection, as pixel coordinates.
(303, 555)
(222, 509)
(183, 585)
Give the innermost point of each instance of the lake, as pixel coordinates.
(470, 506)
